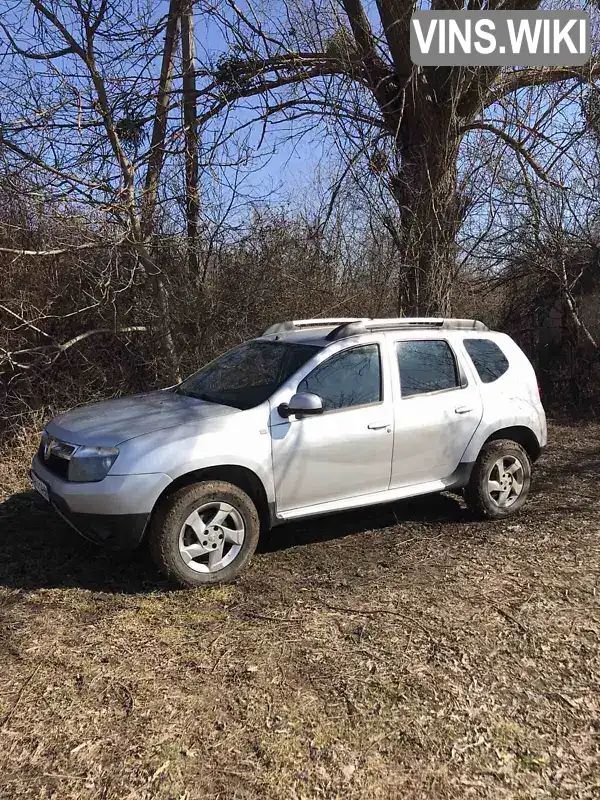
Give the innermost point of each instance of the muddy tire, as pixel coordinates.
(500, 480)
(204, 534)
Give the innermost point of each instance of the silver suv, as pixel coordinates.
(312, 417)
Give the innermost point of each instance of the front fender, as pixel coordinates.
(264, 474)
(241, 441)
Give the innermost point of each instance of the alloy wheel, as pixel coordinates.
(505, 481)
(211, 537)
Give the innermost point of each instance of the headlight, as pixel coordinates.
(91, 463)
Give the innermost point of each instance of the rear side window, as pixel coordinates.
(350, 378)
(490, 362)
(426, 366)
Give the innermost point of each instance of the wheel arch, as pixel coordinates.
(244, 478)
(520, 434)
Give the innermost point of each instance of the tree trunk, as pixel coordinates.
(159, 127)
(168, 344)
(571, 305)
(431, 212)
(146, 250)
(190, 122)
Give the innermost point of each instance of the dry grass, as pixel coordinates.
(400, 652)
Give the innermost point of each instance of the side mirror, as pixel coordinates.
(301, 404)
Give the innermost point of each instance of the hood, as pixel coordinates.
(110, 422)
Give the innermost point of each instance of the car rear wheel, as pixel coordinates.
(204, 534)
(500, 480)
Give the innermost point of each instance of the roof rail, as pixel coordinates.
(426, 322)
(299, 324)
(354, 327)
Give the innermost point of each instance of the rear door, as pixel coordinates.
(438, 407)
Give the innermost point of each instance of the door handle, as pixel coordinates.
(462, 410)
(377, 426)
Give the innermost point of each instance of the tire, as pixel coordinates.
(488, 503)
(195, 541)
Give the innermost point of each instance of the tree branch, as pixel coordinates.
(540, 76)
(11, 357)
(516, 146)
(62, 250)
(395, 16)
(263, 87)
(129, 329)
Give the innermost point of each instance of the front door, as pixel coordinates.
(437, 412)
(347, 450)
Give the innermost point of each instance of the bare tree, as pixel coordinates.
(80, 128)
(81, 88)
(408, 121)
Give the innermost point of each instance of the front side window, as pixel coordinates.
(247, 375)
(350, 378)
(490, 362)
(426, 366)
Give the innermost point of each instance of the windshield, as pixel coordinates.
(247, 375)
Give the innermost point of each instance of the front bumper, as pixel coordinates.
(113, 512)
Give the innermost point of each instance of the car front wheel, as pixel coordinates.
(500, 480)
(204, 534)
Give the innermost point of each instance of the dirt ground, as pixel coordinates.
(404, 651)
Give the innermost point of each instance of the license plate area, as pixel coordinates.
(39, 485)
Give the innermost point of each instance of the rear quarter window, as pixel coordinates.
(488, 359)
